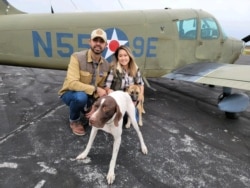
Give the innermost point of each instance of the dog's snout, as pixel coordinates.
(134, 97)
(92, 120)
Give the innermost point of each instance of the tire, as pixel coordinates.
(232, 115)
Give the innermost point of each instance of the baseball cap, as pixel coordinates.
(99, 33)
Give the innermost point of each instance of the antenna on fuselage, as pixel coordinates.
(74, 5)
(120, 4)
(51, 7)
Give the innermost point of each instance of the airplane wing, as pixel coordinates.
(220, 74)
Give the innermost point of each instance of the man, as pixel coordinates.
(84, 82)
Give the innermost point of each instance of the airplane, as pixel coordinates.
(181, 44)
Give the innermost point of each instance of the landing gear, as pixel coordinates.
(229, 115)
(232, 103)
(232, 115)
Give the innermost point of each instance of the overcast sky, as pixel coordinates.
(234, 16)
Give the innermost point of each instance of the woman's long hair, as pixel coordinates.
(132, 66)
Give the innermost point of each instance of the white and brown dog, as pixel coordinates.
(108, 116)
(135, 91)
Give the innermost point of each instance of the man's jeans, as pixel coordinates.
(77, 101)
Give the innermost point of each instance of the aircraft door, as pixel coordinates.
(186, 41)
(209, 46)
(160, 47)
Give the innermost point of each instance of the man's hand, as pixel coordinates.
(87, 115)
(100, 92)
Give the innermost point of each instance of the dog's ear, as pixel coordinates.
(118, 116)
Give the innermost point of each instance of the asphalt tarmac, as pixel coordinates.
(190, 141)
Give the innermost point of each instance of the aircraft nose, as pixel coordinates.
(238, 46)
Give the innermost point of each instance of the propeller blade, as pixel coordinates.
(246, 38)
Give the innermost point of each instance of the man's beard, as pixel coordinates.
(97, 52)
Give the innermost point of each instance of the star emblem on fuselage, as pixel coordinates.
(115, 39)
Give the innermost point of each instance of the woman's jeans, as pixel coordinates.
(77, 101)
(136, 114)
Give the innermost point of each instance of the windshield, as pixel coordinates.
(208, 29)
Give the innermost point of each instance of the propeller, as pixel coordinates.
(246, 38)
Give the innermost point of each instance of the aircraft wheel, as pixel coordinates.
(232, 115)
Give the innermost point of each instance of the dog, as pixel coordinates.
(108, 112)
(134, 91)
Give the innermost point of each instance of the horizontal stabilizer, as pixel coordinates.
(7, 8)
(220, 74)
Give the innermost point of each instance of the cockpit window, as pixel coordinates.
(187, 28)
(209, 29)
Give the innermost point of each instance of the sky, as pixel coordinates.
(234, 16)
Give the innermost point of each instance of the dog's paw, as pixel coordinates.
(127, 125)
(144, 149)
(110, 177)
(140, 123)
(81, 156)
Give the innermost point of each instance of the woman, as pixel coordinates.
(124, 72)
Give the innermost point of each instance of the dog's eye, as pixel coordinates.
(105, 108)
(96, 105)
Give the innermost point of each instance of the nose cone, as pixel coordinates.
(236, 46)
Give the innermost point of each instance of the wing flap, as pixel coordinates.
(225, 75)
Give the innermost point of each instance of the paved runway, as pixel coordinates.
(190, 142)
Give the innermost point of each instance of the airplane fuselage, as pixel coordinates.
(161, 40)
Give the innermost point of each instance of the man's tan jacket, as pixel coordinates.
(80, 73)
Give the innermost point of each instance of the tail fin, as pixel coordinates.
(7, 8)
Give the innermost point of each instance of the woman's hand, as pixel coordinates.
(108, 90)
(140, 97)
